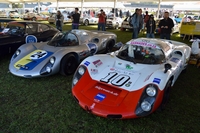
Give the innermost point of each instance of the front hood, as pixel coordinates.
(104, 94)
(33, 59)
(121, 74)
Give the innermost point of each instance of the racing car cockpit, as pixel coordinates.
(141, 54)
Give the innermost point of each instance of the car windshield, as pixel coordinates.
(14, 29)
(141, 54)
(63, 39)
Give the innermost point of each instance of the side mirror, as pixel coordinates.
(167, 67)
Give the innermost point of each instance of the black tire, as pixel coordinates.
(86, 22)
(165, 95)
(123, 29)
(68, 65)
(109, 46)
(34, 19)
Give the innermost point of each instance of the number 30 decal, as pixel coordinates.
(117, 80)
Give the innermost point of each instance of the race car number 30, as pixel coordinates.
(115, 79)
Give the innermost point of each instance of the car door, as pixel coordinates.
(32, 29)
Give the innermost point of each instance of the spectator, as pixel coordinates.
(75, 19)
(141, 21)
(166, 24)
(151, 26)
(120, 13)
(101, 22)
(127, 13)
(59, 20)
(146, 17)
(135, 21)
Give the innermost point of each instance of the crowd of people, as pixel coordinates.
(139, 23)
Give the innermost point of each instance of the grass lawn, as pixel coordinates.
(46, 105)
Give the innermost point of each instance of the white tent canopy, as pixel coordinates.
(87, 4)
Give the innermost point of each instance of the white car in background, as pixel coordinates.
(125, 24)
(87, 20)
(3, 14)
(13, 14)
(114, 22)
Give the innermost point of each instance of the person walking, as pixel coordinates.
(59, 20)
(151, 26)
(102, 20)
(135, 21)
(75, 19)
(166, 24)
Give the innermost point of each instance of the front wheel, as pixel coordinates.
(68, 65)
(86, 23)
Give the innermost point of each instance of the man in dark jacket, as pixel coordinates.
(75, 19)
(166, 26)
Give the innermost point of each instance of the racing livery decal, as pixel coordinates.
(156, 80)
(99, 97)
(86, 63)
(31, 60)
(97, 63)
(93, 48)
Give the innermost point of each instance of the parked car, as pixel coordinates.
(3, 14)
(87, 20)
(125, 24)
(61, 54)
(35, 16)
(131, 82)
(13, 14)
(114, 22)
(15, 33)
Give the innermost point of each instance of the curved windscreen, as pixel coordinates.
(64, 39)
(15, 29)
(141, 54)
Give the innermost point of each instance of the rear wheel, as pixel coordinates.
(68, 65)
(166, 95)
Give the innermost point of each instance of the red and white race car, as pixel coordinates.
(131, 82)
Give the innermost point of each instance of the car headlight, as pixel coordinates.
(146, 106)
(75, 80)
(48, 67)
(78, 74)
(52, 60)
(151, 91)
(81, 70)
(17, 52)
(147, 100)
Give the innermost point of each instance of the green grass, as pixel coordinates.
(46, 105)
